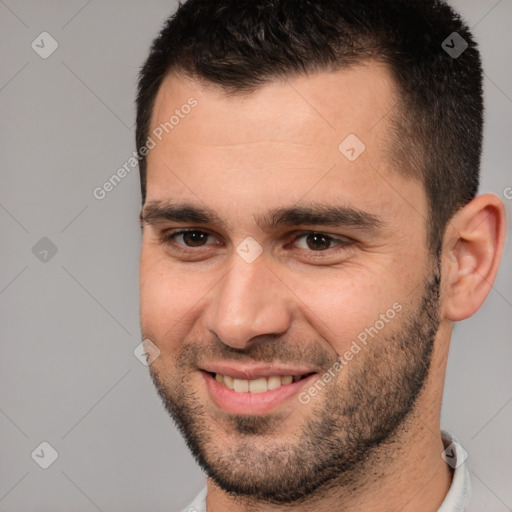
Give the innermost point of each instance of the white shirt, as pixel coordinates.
(456, 499)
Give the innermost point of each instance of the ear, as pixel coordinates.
(472, 249)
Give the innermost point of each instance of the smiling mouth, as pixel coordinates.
(260, 385)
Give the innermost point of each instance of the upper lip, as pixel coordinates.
(252, 372)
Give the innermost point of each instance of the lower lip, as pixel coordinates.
(252, 403)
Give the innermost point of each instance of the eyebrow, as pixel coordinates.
(156, 212)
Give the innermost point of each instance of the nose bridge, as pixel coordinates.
(250, 301)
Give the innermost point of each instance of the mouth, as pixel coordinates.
(254, 392)
(259, 385)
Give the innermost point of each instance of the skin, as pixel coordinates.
(244, 155)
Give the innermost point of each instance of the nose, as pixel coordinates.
(250, 301)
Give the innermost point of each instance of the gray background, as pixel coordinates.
(69, 325)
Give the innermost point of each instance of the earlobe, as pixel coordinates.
(472, 250)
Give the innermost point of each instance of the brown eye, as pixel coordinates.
(194, 238)
(189, 238)
(318, 242)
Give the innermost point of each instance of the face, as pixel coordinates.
(285, 279)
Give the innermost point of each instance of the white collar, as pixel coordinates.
(458, 495)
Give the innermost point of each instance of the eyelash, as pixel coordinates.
(341, 242)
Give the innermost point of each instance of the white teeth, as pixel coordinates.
(256, 385)
(228, 381)
(241, 386)
(274, 382)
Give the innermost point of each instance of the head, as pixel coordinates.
(324, 162)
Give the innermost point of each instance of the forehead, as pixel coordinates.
(319, 137)
(352, 100)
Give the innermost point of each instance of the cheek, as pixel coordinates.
(168, 296)
(342, 307)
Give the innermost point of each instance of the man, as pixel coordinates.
(311, 232)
